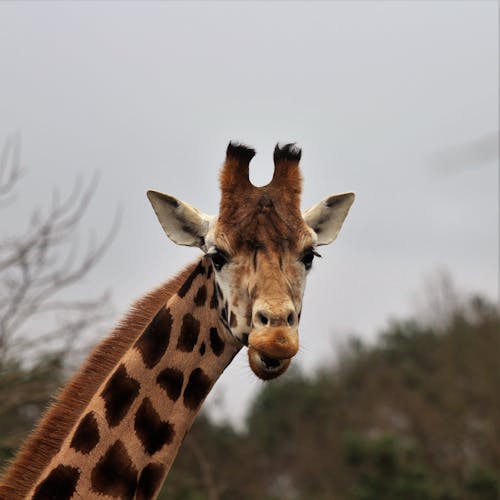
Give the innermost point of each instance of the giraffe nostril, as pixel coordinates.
(291, 319)
(263, 319)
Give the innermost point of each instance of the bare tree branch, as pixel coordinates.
(44, 261)
(207, 475)
(10, 166)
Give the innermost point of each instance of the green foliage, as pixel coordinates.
(413, 416)
(483, 484)
(24, 395)
(387, 467)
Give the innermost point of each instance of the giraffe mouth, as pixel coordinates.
(270, 363)
(270, 350)
(265, 367)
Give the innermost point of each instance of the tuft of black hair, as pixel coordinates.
(289, 152)
(240, 151)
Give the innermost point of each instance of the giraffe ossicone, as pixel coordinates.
(115, 429)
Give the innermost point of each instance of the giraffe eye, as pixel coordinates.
(308, 257)
(218, 259)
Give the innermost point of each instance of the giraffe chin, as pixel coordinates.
(264, 367)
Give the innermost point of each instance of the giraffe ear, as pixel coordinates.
(326, 217)
(184, 224)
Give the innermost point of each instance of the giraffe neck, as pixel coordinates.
(126, 437)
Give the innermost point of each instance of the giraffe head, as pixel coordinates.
(261, 247)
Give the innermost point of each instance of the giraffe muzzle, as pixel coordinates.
(270, 350)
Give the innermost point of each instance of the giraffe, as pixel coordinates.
(115, 429)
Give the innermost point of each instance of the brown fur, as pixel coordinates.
(67, 407)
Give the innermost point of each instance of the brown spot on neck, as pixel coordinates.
(151, 430)
(115, 474)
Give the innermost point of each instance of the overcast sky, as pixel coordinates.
(396, 101)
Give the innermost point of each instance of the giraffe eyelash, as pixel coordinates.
(307, 257)
(219, 258)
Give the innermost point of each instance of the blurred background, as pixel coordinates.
(394, 393)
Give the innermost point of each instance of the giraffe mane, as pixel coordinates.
(66, 408)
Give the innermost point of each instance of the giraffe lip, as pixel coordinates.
(275, 342)
(266, 367)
